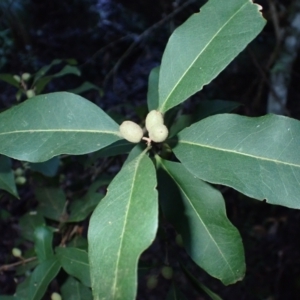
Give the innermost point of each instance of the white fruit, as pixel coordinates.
(16, 252)
(56, 296)
(154, 117)
(26, 76)
(158, 133)
(30, 93)
(131, 131)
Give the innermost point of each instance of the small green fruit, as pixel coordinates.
(16, 252)
(152, 282)
(167, 272)
(17, 78)
(131, 131)
(19, 172)
(30, 93)
(55, 296)
(153, 118)
(26, 76)
(20, 180)
(158, 133)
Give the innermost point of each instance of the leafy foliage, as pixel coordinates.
(257, 156)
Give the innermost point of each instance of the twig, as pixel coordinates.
(21, 262)
(141, 36)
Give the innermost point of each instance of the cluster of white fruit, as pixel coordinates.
(158, 132)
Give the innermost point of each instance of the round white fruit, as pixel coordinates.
(154, 117)
(56, 296)
(158, 133)
(131, 131)
(16, 252)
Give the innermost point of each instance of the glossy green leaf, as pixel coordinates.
(52, 203)
(174, 293)
(48, 168)
(257, 156)
(28, 223)
(203, 46)
(74, 290)
(43, 238)
(198, 212)
(152, 95)
(75, 262)
(123, 225)
(58, 123)
(199, 285)
(7, 180)
(42, 275)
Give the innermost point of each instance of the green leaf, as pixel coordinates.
(21, 291)
(52, 203)
(86, 86)
(28, 223)
(257, 156)
(26, 268)
(58, 123)
(79, 242)
(48, 168)
(203, 46)
(74, 290)
(43, 238)
(42, 82)
(7, 180)
(174, 293)
(9, 78)
(42, 72)
(75, 262)
(198, 212)
(123, 225)
(199, 285)
(80, 209)
(152, 95)
(42, 275)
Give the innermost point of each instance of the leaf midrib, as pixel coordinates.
(123, 231)
(240, 153)
(199, 217)
(58, 130)
(193, 62)
(46, 274)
